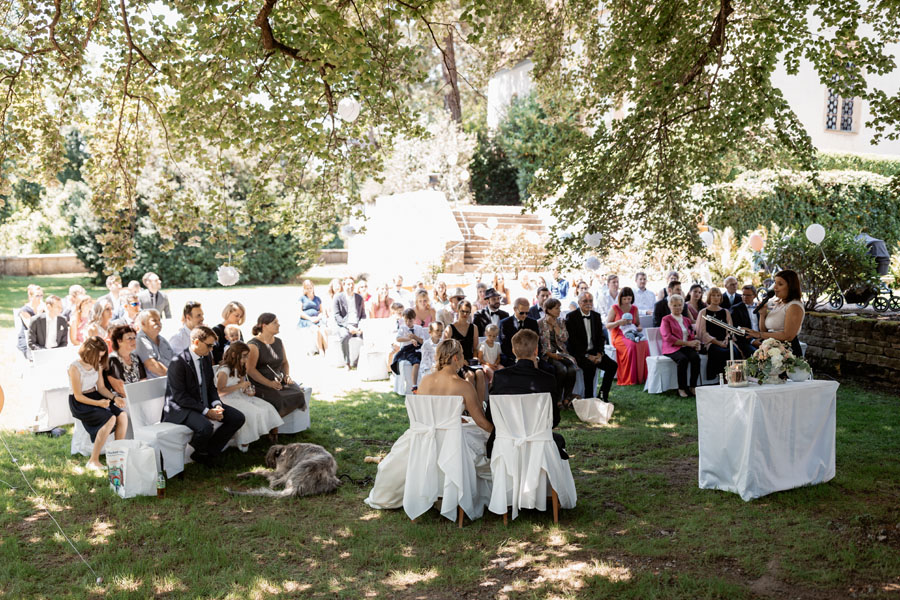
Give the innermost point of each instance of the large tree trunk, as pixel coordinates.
(451, 98)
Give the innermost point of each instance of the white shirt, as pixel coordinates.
(754, 318)
(352, 316)
(734, 299)
(401, 295)
(645, 300)
(181, 340)
(684, 329)
(607, 302)
(587, 328)
(51, 332)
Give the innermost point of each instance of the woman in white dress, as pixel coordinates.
(445, 381)
(236, 390)
(782, 318)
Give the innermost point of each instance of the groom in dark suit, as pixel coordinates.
(524, 377)
(587, 344)
(192, 399)
(349, 310)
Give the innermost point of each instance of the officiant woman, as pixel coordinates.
(782, 317)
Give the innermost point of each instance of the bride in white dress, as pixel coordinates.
(236, 390)
(445, 381)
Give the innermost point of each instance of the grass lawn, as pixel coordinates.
(642, 528)
(14, 294)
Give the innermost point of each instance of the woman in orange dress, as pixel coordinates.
(632, 349)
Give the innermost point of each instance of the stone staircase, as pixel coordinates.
(508, 217)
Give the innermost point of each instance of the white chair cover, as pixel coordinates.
(662, 374)
(525, 457)
(403, 383)
(377, 337)
(48, 378)
(654, 340)
(81, 441)
(298, 420)
(144, 403)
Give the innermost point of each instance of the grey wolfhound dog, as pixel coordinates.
(300, 469)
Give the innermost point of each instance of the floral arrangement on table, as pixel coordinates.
(773, 361)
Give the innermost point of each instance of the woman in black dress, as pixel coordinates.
(713, 336)
(268, 367)
(467, 334)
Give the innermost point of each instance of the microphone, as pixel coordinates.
(767, 295)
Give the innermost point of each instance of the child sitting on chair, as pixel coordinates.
(410, 336)
(435, 331)
(489, 352)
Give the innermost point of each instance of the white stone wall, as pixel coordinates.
(504, 86)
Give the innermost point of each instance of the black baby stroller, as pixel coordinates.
(881, 296)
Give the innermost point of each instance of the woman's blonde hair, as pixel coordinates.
(445, 352)
(234, 306)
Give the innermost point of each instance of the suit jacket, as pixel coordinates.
(482, 318)
(341, 310)
(183, 391)
(524, 378)
(577, 344)
(37, 332)
(161, 304)
(660, 310)
(740, 316)
(508, 330)
(535, 312)
(727, 302)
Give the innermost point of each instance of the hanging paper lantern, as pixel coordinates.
(566, 234)
(348, 230)
(348, 109)
(482, 231)
(593, 239)
(592, 263)
(227, 275)
(707, 238)
(464, 176)
(815, 233)
(756, 242)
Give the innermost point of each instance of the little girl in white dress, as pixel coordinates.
(489, 352)
(235, 390)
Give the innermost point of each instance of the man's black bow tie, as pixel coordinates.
(494, 312)
(585, 316)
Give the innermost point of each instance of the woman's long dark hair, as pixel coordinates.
(232, 358)
(793, 282)
(264, 319)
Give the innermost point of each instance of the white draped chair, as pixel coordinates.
(377, 337)
(48, 378)
(298, 420)
(662, 372)
(525, 462)
(144, 402)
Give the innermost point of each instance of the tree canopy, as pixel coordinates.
(163, 89)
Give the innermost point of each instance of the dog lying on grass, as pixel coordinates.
(299, 469)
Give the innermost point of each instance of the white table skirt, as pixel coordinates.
(762, 439)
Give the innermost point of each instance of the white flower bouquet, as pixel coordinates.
(773, 361)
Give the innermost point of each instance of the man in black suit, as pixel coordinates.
(661, 308)
(490, 314)
(49, 329)
(512, 325)
(524, 377)
(742, 316)
(349, 310)
(730, 296)
(587, 344)
(192, 399)
(536, 312)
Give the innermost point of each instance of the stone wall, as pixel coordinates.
(848, 345)
(40, 264)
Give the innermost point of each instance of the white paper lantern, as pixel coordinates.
(452, 159)
(482, 231)
(348, 230)
(227, 275)
(707, 238)
(566, 235)
(464, 176)
(592, 263)
(593, 239)
(348, 109)
(492, 223)
(815, 233)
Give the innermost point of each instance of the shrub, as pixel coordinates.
(513, 250)
(493, 177)
(882, 165)
(850, 263)
(729, 255)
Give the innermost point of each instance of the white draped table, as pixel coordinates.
(761, 439)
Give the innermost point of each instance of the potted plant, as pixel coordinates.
(797, 368)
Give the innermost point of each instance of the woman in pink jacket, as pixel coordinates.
(679, 344)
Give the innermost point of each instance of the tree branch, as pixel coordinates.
(716, 42)
(56, 14)
(131, 43)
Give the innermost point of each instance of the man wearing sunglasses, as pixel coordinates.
(192, 399)
(131, 307)
(510, 326)
(587, 343)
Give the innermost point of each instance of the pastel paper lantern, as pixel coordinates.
(348, 109)
(815, 233)
(707, 238)
(593, 239)
(592, 263)
(227, 275)
(756, 242)
(348, 230)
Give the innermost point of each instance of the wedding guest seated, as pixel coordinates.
(134, 286)
(191, 318)
(75, 292)
(714, 337)
(644, 299)
(114, 285)
(587, 344)
(125, 365)
(480, 301)
(192, 399)
(235, 390)
(233, 315)
(399, 294)
(425, 314)
(632, 348)
(581, 286)
(782, 317)
(524, 377)
(362, 288)
(311, 314)
(611, 297)
(335, 287)
(439, 297)
(99, 409)
(447, 314)
(541, 295)
(80, 320)
(380, 306)
(681, 345)
(489, 352)
(435, 333)
(510, 326)
(742, 316)
(49, 329)
(31, 309)
(500, 287)
(349, 310)
(664, 293)
(554, 337)
(662, 306)
(99, 323)
(467, 335)
(695, 302)
(410, 337)
(526, 283)
(731, 297)
(152, 297)
(491, 314)
(129, 310)
(269, 370)
(559, 287)
(152, 348)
